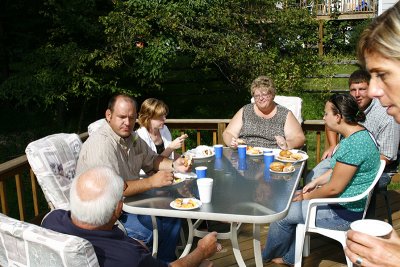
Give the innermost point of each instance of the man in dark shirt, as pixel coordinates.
(96, 203)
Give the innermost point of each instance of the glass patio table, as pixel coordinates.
(244, 191)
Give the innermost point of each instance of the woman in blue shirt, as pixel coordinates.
(353, 169)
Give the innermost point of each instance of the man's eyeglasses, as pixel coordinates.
(263, 95)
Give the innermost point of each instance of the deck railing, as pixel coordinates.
(356, 9)
(26, 187)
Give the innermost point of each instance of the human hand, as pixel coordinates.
(328, 153)
(208, 245)
(371, 250)
(181, 165)
(281, 142)
(234, 143)
(310, 187)
(298, 196)
(177, 142)
(161, 178)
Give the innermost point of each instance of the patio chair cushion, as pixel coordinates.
(25, 244)
(53, 160)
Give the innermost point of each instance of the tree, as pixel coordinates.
(96, 47)
(239, 39)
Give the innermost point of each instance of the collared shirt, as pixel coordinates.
(124, 155)
(384, 128)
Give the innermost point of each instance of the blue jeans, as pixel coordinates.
(282, 234)
(141, 228)
(318, 170)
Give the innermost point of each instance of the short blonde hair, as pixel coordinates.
(382, 35)
(264, 84)
(151, 108)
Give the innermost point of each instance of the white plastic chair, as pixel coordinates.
(292, 103)
(53, 160)
(302, 231)
(232, 234)
(94, 126)
(25, 244)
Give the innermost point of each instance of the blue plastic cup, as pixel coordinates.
(242, 164)
(201, 171)
(218, 151)
(242, 151)
(269, 157)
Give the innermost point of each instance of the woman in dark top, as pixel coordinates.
(154, 132)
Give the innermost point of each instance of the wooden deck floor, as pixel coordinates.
(324, 252)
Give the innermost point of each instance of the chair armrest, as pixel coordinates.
(314, 203)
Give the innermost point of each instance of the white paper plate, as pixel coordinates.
(179, 177)
(304, 157)
(197, 204)
(261, 149)
(282, 172)
(197, 153)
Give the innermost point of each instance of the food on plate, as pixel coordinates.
(253, 150)
(288, 167)
(184, 203)
(277, 166)
(204, 151)
(296, 156)
(177, 180)
(187, 160)
(207, 152)
(288, 155)
(285, 153)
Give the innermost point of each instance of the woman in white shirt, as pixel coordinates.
(154, 132)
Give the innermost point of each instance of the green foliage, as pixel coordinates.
(341, 36)
(95, 47)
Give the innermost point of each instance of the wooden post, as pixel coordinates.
(221, 129)
(321, 38)
(34, 193)
(4, 207)
(18, 184)
(198, 138)
(183, 147)
(318, 147)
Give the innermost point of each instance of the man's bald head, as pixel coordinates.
(90, 185)
(94, 196)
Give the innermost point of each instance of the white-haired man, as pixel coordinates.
(96, 203)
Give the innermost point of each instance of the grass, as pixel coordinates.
(394, 186)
